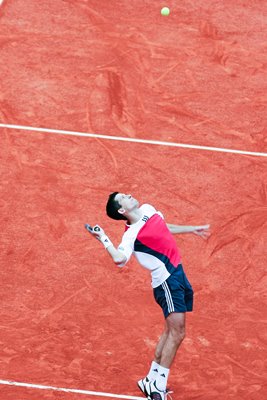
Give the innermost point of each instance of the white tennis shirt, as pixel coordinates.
(151, 242)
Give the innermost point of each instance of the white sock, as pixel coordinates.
(162, 378)
(153, 372)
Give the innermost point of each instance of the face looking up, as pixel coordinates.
(127, 202)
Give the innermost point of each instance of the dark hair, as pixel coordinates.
(113, 206)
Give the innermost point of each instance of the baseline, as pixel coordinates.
(67, 390)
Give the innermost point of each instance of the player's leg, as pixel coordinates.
(161, 344)
(171, 298)
(143, 384)
(167, 349)
(176, 333)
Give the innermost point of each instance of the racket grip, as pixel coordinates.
(88, 228)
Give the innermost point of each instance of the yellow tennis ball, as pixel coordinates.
(165, 11)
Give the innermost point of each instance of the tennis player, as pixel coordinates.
(150, 240)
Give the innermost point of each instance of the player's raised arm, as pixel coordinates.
(96, 231)
(199, 230)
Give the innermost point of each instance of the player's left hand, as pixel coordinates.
(95, 230)
(202, 230)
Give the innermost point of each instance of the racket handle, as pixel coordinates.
(88, 227)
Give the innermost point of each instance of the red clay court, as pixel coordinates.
(173, 110)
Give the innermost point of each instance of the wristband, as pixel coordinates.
(105, 241)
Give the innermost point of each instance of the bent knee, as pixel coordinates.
(178, 333)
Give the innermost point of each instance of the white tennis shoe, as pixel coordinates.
(143, 385)
(155, 394)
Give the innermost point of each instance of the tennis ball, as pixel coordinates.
(165, 11)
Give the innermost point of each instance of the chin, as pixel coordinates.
(137, 203)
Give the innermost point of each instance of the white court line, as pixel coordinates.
(127, 139)
(78, 391)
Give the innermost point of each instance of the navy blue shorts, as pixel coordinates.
(175, 294)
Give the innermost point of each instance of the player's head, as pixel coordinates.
(119, 205)
(113, 206)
